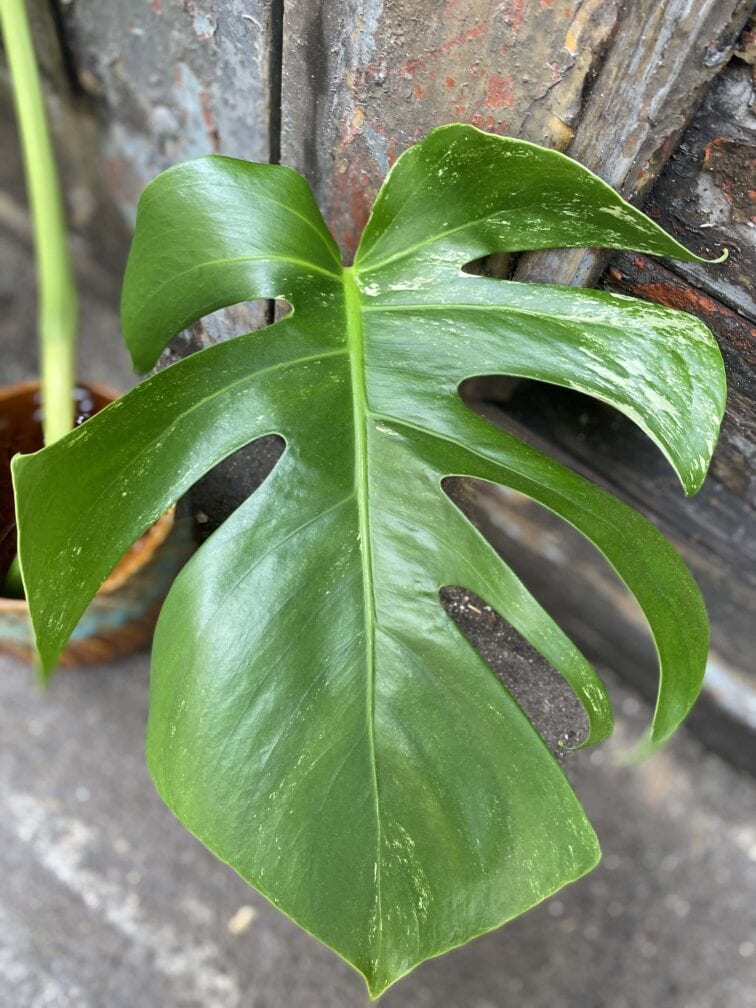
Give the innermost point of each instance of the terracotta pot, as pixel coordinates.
(122, 616)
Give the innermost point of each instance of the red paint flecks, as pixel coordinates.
(156, 8)
(499, 92)
(449, 9)
(450, 82)
(556, 73)
(352, 191)
(209, 116)
(730, 163)
(515, 16)
(411, 67)
(360, 205)
(686, 298)
(488, 122)
(351, 126)
(710, 148)
(666, 289)
(543, 4)
(419, 91)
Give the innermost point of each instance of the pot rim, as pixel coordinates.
(34, 384)
(133, 560)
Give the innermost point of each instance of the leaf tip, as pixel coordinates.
(45, 656)
(692, 483)
(694, 257)
(721, 259)
(44, 673)
(640, 752)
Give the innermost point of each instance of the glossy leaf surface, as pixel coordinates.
(316, 718)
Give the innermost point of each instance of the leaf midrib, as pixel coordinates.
(369, 268)
(353, 311)
(365, 266)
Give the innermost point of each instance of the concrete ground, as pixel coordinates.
(106, 902)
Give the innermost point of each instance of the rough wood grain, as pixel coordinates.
(172, 80)
(706, 195)
(664, 55)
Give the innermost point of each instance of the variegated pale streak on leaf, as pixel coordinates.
(315, 718)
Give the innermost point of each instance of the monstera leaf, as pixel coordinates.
(315, 717)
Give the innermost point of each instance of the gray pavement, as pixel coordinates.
(106, 902)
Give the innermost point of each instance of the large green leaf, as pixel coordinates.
(315, 717)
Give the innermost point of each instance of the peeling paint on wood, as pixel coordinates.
(734, 462)
(664, 55)
(706, 195)
(364, 80)
(173, 79)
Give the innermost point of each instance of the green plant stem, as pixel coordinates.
(57, 312)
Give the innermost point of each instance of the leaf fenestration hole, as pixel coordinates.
(597, 441)
(227, 323)
(543, 695)
(227, 485)
(569, 577)
(577, 430)
(499, 265)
